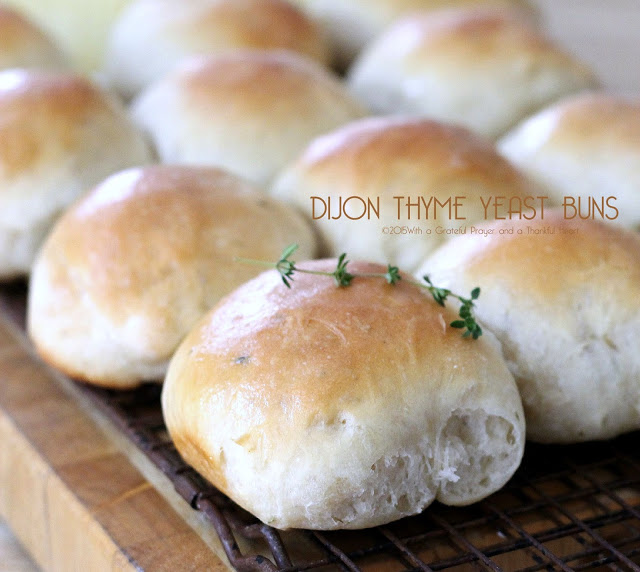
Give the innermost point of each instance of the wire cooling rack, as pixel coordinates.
(566, 508)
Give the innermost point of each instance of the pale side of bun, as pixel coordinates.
(584, 146)
(59, 136)
(378, 159)
(330, 407)
(565, 307)
(24, 45)
(483, 69)
(352, 25)
(153, 36)
(134, 264)
(248, 112)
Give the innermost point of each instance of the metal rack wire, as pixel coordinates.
(567, 508)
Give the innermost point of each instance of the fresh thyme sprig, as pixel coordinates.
(342, 277)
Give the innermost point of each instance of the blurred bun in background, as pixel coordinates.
(352, 24)
(59, 136)
(375, 160)
(584, 147)
(24, 45)
(80, 26)
(151, 36)
(248, 112)
(484, 69)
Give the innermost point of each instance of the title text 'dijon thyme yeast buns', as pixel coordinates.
(359, 182)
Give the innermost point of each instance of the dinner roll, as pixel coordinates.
(132, 266)
(248, 112)
(59, 135)
(24, 45)
(152, 36)
(330, 407)
(562, 298)
(376, 160)
(584, 146)
(353, 24)
(483, 69)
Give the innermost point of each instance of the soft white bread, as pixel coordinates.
(565, 306)
(353, 24)
(377, 159)
(59, 135)
(484, 69)
(132, 266)
(152, 36)
(24, 45)
(584, 146)
(248, 112)
(330, 407)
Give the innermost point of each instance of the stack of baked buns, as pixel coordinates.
(344, 387)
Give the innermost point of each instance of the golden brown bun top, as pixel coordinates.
(367, 154)
(23, 44)
(250, 82)
(316, 349)
(474, 36)
(154, 36)
(44, 116)
(589, 121)
(355, 23)
(126, 237)
(552, 269)
(392, 8)
(260, 24)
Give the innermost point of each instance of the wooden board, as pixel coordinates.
(73, 499)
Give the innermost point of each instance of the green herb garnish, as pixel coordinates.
(342, 277)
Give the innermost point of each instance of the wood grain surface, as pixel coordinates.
(71, 497)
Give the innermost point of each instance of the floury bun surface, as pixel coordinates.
(584, 146)
(24, 45)
(565, 307)
(152, 36)
(59, 136)
(330, 407)
(484, 69)
(133, 265)
(354, 23)
(378, 159)
(248, 112)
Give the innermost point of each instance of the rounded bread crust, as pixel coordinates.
(383, 158)
(248, 112)
(484, 69)
(152, 36)
(564, 306)
(583, 146)
(350, 407)
(352, 25)
(25, 45)
(133, 265)
(59, 135)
